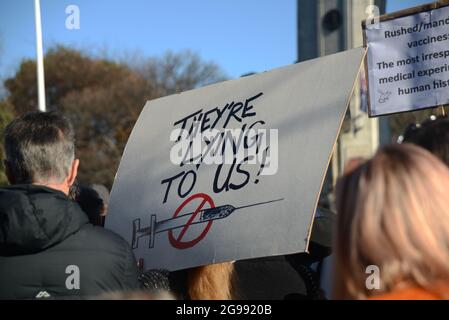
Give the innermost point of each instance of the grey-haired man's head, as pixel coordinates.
(40, 149)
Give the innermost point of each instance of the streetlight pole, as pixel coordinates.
(39, 58)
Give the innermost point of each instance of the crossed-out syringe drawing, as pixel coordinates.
(184, 221)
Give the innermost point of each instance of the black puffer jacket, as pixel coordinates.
(42, 233)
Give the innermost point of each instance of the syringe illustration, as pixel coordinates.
(180, 221)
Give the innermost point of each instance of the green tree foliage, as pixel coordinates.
(104, 98)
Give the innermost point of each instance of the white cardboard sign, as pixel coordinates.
(408, 62)
(261, 203)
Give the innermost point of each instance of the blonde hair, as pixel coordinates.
(393, 212)
(211, 282)
(136, 295)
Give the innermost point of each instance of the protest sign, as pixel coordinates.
(233, 170)
(408, 60)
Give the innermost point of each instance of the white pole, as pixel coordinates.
(39, 58)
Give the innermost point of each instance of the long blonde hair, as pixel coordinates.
(212, 282)
(393, 212)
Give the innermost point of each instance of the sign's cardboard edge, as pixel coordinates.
(350, 95)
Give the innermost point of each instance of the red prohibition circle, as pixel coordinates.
(177, 242)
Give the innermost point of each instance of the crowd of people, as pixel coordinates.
(389, 238)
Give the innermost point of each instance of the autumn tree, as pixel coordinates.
(6, 115)
(174, 73)
(103, 98)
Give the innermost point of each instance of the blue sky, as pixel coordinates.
(240, 35)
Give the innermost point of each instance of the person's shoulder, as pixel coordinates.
(437, 291)
(103, 238)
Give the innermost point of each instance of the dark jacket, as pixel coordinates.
(42, 234)
(288, 277)
(269, 278)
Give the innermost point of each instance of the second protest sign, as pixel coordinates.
(408, 60)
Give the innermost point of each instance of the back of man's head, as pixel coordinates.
(40, 148)
(433, 135)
